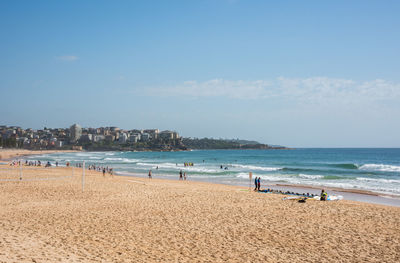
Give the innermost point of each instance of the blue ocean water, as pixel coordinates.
(376, 170)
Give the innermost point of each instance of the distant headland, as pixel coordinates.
(114, 139)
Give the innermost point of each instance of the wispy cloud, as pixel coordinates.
(68, 58)
(307, 90)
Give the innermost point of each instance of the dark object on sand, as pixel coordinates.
(303, 200)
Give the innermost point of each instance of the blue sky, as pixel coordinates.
(295, 73)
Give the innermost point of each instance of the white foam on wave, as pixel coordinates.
(253, 167)
(309, 176)
(160, 165)
(378, 180)
(380, 167)
(124, 160)
(201, 169)
(173, 166)
(83, 154)
(94, 158)
(271, 178)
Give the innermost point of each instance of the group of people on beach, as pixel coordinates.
(182, 175)
(16, 163)
(104, 169)
(30, 163)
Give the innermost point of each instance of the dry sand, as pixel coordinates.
(127, 219)
(6, 154)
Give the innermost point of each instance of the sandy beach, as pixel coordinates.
(128, 219)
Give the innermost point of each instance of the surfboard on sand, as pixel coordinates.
(330, 198)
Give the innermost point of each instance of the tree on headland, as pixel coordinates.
(8, 143)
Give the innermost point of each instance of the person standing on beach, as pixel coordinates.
(104, 172)
(259, 183)
(255, 183)
(184, 176)
(180, 175)
(150, 174)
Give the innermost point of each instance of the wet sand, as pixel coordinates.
(126, 219)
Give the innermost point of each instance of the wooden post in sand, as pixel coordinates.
(83, 176)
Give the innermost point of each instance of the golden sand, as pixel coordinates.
(127, 219)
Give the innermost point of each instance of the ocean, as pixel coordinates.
(376, 170)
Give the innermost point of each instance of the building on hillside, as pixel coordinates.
(166, 135)
(169, 135)
(75, 133)
(134, 138)
(123, 138)
(136, 131)
(59, 144)
(145, 137)
(114, 129)
(153, 133)
(110, 138)
(86, 138)
(99, 138)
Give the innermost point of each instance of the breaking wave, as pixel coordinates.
(253, 167)
(380, 167)
(308, 176)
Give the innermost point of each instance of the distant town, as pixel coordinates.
(113, 138)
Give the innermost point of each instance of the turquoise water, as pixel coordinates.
(376, 170)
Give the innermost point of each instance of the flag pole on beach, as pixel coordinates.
(20, 171)
(83, 176)
(250, 177)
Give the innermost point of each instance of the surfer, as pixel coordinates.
(324, 195)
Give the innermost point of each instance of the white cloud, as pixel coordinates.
(68, 58)
(306, 90)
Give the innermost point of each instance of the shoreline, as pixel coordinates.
(362, 196)
(359, 195)
(9, 154)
